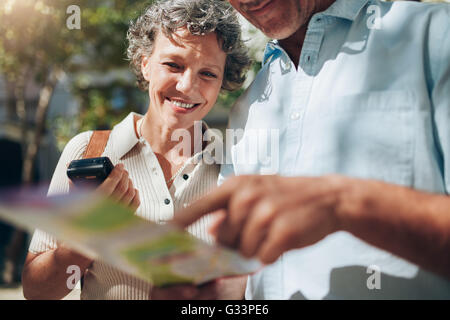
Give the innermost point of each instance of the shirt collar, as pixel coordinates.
(345, 9)
(124, 136)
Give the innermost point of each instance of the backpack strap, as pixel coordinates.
(95, 148)
(97, 144)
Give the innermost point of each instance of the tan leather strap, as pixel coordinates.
(95, 149)
(97, 144)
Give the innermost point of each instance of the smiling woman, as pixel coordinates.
(184, 74)
(183, 53)
(200, 19)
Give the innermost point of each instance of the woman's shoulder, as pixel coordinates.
(75, 148)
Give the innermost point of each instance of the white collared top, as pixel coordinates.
(158, 202)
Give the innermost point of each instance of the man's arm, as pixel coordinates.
(411, 224)
(268, 215)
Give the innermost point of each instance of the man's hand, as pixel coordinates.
(185, 292)
(264, 216)
(220, 289)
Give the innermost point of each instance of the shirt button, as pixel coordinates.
(295, 116)
(167, 201)
(185, 176)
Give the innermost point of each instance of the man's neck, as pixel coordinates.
(293, 45)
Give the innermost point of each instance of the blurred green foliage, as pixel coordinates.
(33, 34)
(34, 38)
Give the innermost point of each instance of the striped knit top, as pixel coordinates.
(158, 202)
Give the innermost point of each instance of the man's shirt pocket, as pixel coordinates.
(368, 135)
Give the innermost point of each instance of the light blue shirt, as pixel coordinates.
(370, 99)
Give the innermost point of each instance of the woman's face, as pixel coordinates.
(185, 75)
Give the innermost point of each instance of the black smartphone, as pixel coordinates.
(91, 171)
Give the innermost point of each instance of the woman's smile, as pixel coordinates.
(181, 105)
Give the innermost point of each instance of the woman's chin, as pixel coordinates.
(180, 121)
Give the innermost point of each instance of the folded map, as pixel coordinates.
(104, 230)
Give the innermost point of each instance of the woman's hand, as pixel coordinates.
(64, 252)
(118, 186)
(45, 276)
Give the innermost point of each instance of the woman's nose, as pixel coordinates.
(186, 82)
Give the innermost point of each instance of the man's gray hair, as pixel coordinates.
(200, 17)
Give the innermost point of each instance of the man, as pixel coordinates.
(358, 92)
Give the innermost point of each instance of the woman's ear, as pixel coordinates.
(145, 67)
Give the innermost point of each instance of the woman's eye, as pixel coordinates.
(172, 65)
(209, 74)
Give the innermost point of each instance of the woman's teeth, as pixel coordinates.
(183, 105)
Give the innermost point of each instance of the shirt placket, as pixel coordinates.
(301, 94)
(166, 212)
(181, 184)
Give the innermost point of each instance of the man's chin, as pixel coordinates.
(277, 29)
(279, 32)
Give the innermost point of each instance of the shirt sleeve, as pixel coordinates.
(42, 241)
(440, 93)
(236, 122)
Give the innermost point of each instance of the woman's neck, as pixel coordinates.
(159, 136)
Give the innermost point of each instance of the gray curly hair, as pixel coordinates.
(199, 17)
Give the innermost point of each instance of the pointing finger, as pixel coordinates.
(217, 199)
